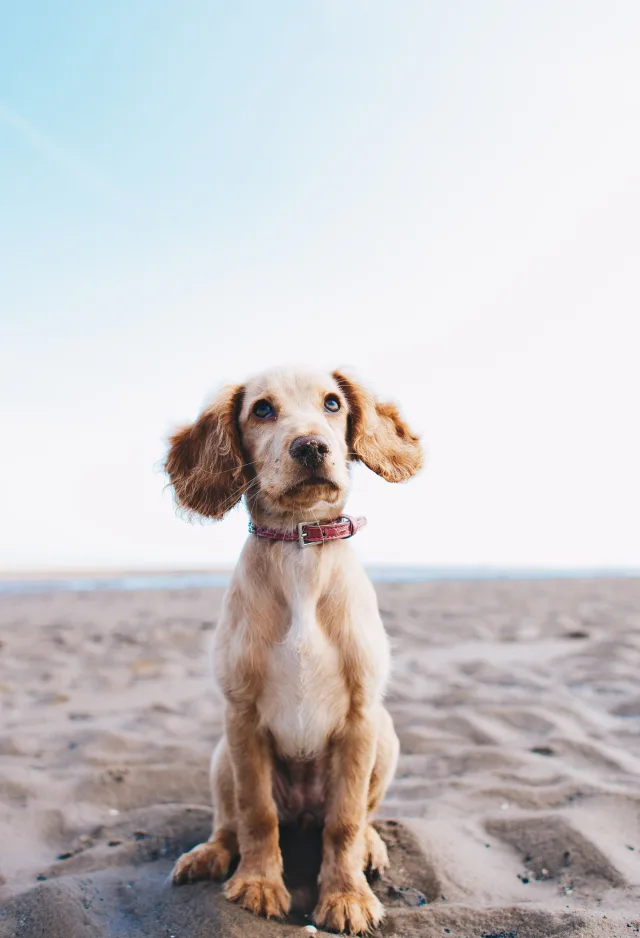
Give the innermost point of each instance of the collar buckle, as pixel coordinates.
(302, 534)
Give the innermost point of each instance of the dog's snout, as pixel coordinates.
(309, 451)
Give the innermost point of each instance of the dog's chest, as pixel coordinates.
(304, 697)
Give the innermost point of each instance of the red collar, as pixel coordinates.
(310, 533)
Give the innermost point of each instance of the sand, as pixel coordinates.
(515, 811)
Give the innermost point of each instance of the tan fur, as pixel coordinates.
(379, 437)
(205, 462)
(300, 652)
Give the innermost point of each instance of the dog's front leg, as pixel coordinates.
(257, 885)
(346, 902)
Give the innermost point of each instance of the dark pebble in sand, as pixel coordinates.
(117, 775)
(410, 896)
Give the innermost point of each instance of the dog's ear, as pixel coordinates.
(378, 436)
(205, 462)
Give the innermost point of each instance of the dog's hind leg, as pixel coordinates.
(212, 860)
(388, 748)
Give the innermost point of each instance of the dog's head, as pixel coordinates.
(285, 439)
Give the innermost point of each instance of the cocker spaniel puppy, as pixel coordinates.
(300, 654)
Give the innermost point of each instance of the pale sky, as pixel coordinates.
(444, 197)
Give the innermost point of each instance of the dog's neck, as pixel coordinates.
(312, 534)
(288, 521)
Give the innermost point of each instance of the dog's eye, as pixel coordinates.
(263, 409)
(331, 403)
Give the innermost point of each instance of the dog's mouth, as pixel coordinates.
(302, 495)
(313, 488)
(312, 482)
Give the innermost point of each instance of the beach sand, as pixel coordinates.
(515, 812)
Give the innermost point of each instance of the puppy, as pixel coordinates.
(300, 652)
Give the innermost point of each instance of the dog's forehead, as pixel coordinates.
(291, 383)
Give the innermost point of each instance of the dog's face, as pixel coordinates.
(293, 428)
(285, 440)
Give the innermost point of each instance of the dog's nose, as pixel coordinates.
(309, 451)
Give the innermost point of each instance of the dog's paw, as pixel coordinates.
(377, 858)
(353, 913)
(266, 897)
(210, 860)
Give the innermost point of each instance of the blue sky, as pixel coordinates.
(444, 197)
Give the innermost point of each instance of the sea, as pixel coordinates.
(220, 578)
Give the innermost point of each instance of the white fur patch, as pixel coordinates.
(304, 697)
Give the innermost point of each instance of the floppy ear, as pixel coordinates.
(378, 436)
(205, 462)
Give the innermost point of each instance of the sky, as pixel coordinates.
(442, 197)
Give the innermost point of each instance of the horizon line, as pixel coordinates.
(209, 578)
